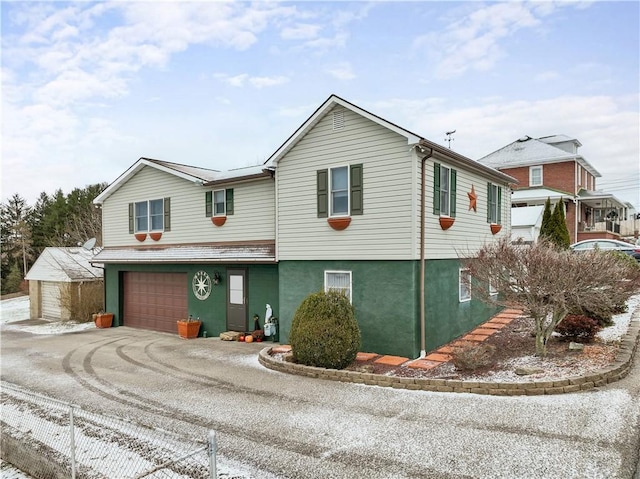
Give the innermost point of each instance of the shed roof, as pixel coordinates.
(65, 265)
(526, 216)
(244, 252)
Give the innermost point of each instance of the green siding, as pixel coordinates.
(385, 296)
(446, 317)
(262, 288)
(384, 299)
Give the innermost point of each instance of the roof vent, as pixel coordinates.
(524, 138)
(338, 120)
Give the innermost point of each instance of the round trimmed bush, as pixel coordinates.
(324, 332)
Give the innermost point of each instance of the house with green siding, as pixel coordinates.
(349, 201)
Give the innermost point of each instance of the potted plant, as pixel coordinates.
(103, 320)
(189, 328)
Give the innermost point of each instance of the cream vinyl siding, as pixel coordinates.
(384, 230)
(253, 218)
(470, 230)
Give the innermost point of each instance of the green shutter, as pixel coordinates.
(323, 193)
(489, 202)
(436, 188)
(167, 214)
(208, 204)
(499, 218)
(229, 201)
(452, 196)
(356, 190)
(131, 219)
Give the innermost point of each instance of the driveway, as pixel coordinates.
(296, 427)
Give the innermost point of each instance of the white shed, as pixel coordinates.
(525, 223)
(54, 269)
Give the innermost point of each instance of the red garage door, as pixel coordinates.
(155, 300)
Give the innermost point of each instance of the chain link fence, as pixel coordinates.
(47, 438)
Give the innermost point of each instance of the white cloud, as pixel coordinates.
(341, 71)
(475, 41)
(255, 81)
(300, 31)
(606, 126)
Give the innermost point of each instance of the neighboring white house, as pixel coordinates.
(54, 269)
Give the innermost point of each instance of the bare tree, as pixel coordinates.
(548, 283)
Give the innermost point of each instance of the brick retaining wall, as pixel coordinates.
(614, 372)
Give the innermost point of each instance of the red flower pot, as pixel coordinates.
(495, 228)
(103, 320)
(446, 222)
(218, 220)
(340, 223)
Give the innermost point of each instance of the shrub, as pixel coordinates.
(82, 302)
(578, 328)
(625, 259)
(324, 331)
(472, 357)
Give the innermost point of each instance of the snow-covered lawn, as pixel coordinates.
(17, 309)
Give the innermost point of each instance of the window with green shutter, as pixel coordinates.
(150, 215)
(494, 200)
(444, 190)
(219, 202)
(339, 191)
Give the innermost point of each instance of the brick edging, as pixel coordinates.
(614, 372)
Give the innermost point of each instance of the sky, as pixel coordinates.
(90, 87)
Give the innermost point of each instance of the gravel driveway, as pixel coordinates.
(297, 427)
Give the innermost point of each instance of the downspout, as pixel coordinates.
(423, 345)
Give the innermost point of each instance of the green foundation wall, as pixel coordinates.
(384, 297)
(262, 288)
(446, 317)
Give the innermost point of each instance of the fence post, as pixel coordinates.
(213, 474)
(72, 443)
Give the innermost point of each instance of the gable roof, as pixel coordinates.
(413, 139)
(65, 265)
(527, 151)
(187, 172)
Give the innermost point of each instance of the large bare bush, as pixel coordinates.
(548, 283)
(82, 299)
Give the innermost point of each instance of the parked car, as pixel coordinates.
(608, 245)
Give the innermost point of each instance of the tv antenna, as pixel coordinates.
(448, 138)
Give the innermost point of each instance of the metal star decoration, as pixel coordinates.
(473, 199)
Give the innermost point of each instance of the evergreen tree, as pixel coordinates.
(558, 232)
(545, 227)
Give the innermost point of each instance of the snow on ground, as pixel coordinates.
(17, 309)
(571, 367)
(620, 322)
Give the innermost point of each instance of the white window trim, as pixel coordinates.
(326, 289)
(495, 206)
(348, 213)
(462, 271)
(492, 291)
(149, 222)
(224, 202)
(448, 191)
(531, 169)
